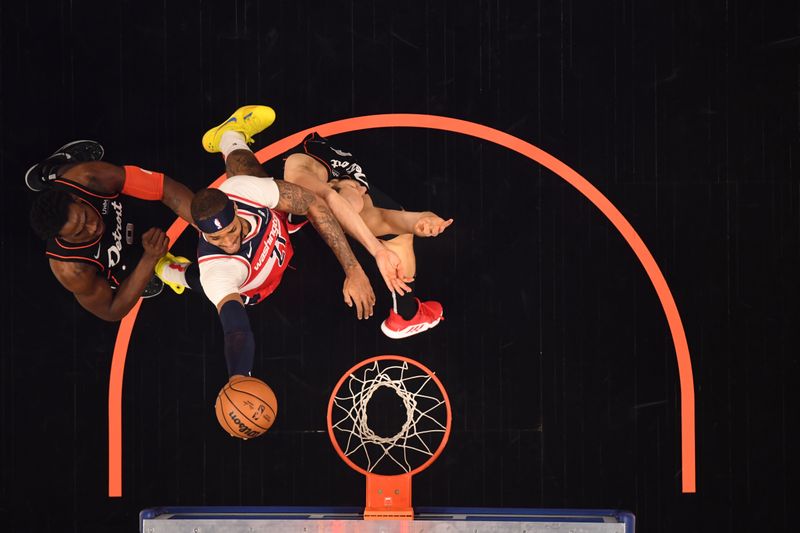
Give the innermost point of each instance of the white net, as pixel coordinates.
(419, 435)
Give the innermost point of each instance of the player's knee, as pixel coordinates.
(356, 201)
(300, 168)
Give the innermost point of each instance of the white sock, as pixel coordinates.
(230, 141)
(175, 273)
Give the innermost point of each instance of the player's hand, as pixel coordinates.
(155, 243)
(357, 291)
(431, 225)
(392, 271)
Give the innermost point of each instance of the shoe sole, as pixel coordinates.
(34, 185)
(209, 140)
(150, 291)
(406, 333)
(37, 185)
(73, 143)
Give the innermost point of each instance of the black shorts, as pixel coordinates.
(341, 165)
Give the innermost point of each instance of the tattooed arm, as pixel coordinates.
(300, 201)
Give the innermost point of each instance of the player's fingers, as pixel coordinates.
(400, 286)
(441, 227)
(393, 280)
(401, 278)
(369, 301)
(390, 283)
(347, 299)
(157, 237)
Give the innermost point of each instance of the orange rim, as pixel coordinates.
(365, 362)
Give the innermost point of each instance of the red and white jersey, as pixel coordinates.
(255, 271)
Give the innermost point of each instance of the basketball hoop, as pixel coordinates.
(389, 456)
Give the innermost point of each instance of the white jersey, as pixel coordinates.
(257, 268)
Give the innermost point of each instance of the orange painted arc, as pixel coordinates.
(687, 411)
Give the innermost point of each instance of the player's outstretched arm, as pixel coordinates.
(388, 262)
(94, 293)
(133, 181)
(301, 201)
(240, 345)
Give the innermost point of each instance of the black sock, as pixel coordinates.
(407, 304)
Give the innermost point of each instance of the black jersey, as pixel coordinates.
(117, 251)
(339, 163)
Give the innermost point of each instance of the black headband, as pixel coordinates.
(219, 220)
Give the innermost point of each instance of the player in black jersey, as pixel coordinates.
(317, 165)
(96, 249)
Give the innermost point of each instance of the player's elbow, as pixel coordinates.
(116, 311)
(109, 315)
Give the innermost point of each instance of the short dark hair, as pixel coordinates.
(50, 212)
(207, 203)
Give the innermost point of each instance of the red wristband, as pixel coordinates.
(144, 184)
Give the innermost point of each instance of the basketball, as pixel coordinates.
(246, 407)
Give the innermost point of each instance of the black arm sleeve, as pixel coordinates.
(240, 346)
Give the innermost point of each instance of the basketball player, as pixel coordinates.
(95, 248)
(245, 247)
(366, 214)
(320, 167)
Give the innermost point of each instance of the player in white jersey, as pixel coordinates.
(245, 246)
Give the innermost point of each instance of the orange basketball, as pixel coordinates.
(246, 407)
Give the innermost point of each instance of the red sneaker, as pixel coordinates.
(429, 314)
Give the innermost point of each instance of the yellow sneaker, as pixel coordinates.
(248, 120)
(177, 263)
